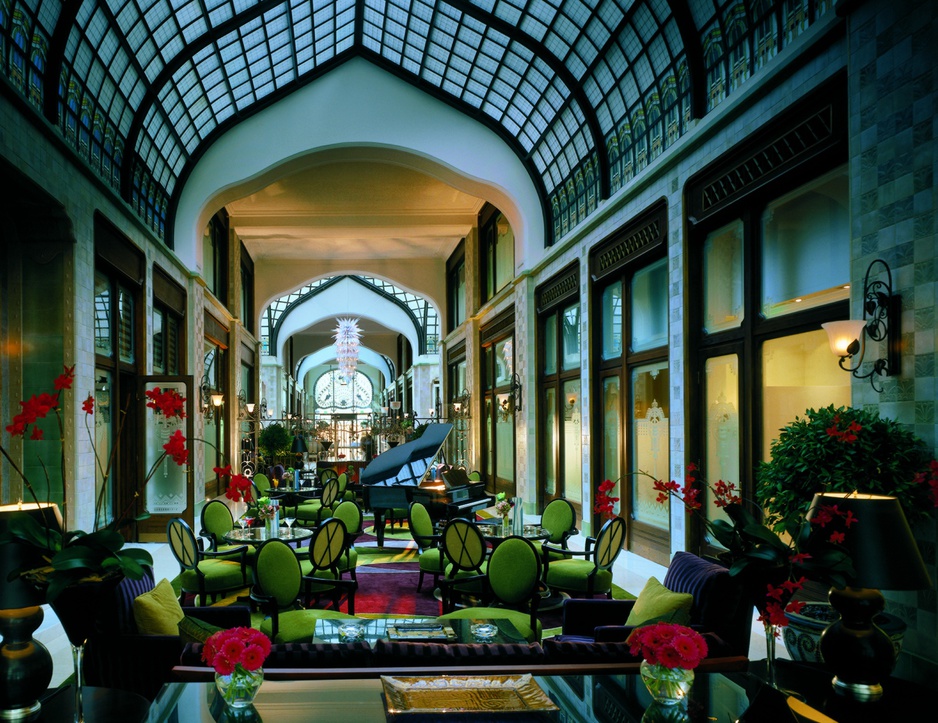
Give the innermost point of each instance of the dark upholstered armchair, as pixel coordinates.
(721, 609)
(117, 656)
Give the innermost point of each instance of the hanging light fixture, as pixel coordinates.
(347, 340)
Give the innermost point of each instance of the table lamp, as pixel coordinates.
(299, 449)
(25, 664)
(884, 555)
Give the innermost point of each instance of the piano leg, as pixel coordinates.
(379, 525)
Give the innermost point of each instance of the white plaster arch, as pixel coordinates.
(357, 106)
(346, 298)
(326, 356)
(432, 299)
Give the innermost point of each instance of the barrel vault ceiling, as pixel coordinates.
(585, 92)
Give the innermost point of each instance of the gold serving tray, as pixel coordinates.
(501, 694)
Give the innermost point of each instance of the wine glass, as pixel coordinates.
(288, 521)
(242, 521)
(248, 521)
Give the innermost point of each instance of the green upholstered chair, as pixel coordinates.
(312, 511)
(321, 568)
(465, 551)
(344, 492)
(559, 519)
(430, 555)
(326, 475)
(512, 588)
(202, 572)
(592, 574)
(261, 484)
(216, 523)
(351, 514)
(276, 591)
(475, 476)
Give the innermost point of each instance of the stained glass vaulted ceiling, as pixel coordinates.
(586, 92)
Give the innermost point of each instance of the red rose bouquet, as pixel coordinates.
(668, 645)
(237, 656)
(670, 653)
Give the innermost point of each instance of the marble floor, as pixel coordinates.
(630, 572)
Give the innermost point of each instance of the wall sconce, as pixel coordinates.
(211, 400)
(245, 408)
(880, 322)
(461, 406)
(509, 403)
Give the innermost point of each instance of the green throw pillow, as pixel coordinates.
(656, 603)
(193, 630)
(157, 612)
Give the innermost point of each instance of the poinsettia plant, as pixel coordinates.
(228, 650)
(774, 567)
(73, 555)
(669, 645)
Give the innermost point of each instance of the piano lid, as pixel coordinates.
(408, 463)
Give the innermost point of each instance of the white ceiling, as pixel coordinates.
(353, 210)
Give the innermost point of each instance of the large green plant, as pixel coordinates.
(843, 449)
(275, 439)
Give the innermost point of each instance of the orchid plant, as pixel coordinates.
(776, 568)
(74, 555)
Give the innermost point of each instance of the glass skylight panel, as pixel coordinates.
(702, 11)
(658, 55)
(47, 14)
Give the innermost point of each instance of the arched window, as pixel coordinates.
(335, 395)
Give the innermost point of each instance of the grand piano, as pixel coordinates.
(402, 475)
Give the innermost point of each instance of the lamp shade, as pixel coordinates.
(299, 444)
(841, 334)
(15, 555)
(880, 543)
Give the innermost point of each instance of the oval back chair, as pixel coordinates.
(321, 568)
(593, 573)
(201, 572)
(465, 552)
(430, 556)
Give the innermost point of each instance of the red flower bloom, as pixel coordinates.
(37, 433)
(169, 403)
(87, 406)
(176, 448)
(64, 380)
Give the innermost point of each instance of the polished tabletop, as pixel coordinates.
(579, 699)
(258, 535)
(408, 629)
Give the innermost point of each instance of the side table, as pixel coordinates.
(101, 705)
(902, 700)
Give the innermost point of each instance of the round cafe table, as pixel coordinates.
(257, 536)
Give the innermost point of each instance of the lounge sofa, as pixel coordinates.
(118, 656)
(717, 605)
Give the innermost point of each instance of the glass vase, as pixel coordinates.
(506, 526)
(668, 686)
(770, 639)
(239, 689)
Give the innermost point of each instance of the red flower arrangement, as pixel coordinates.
(669, 645)
(228, 650)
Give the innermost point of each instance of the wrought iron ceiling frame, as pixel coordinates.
(421, 330)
